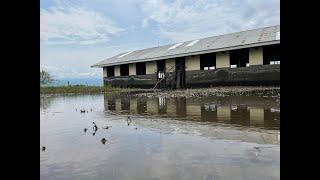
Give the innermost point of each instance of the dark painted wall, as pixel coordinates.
(253, 75)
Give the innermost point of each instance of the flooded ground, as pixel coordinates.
(231, 137)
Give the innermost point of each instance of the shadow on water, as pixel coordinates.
(250, 111)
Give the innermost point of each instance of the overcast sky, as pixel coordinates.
(75, 34)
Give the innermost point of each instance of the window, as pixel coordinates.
(271, 54)
(110, 71)
(124, 70)
(141, 68)
(208, 61)
(239, 58)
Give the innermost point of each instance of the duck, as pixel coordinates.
(85, 129)
(43, 148)
(103, 140)
(82, 111)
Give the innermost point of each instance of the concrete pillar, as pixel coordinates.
(256, 116)
(117, 70)
(105, 74)
(223, 59)
(193, 63)
(132, 69)
(224, 113)
(256, 56)
(170, 63)
(151, 67)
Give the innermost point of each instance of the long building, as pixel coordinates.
(249, 57)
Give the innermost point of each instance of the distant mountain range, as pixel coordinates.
(79, 81)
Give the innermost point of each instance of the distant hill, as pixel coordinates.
(80, 81)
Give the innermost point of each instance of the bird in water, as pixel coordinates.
(103, 140)
(136, 128)
(129, 120)
(85, 130)
(95, 126)
(82, 111)
(43, 148)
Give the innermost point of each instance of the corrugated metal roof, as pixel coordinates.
(243, 39)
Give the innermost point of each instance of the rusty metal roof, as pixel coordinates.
(238, 40)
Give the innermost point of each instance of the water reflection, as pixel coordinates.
(243, 111)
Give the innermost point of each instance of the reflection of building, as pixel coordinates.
(209, 112)
(223, 113)
(162, 108)
(141, 105)
(251, 57)
(152, 106)
(194, 110)
(171, 107)
(181, 109)
(256, 116)
(133, 105)
(240, 115)
(125, 103)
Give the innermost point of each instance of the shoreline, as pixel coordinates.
(273, 91)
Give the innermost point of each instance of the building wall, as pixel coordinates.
(169, 63)
(105, 74)
(256, 56)
(132, 69)
(193, 63)
(253, 75)
(151, 67)
(116, 70)
(222, 59)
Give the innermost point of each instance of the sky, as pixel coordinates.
(75, 34)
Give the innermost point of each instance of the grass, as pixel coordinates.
(83, 89)
(70, 89)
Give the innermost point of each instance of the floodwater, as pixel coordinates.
(231, 137)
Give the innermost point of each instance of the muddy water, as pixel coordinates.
(234, 137)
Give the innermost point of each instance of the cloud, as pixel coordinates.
(68, 24)
(179, 20)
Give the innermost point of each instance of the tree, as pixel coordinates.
(45, 77)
